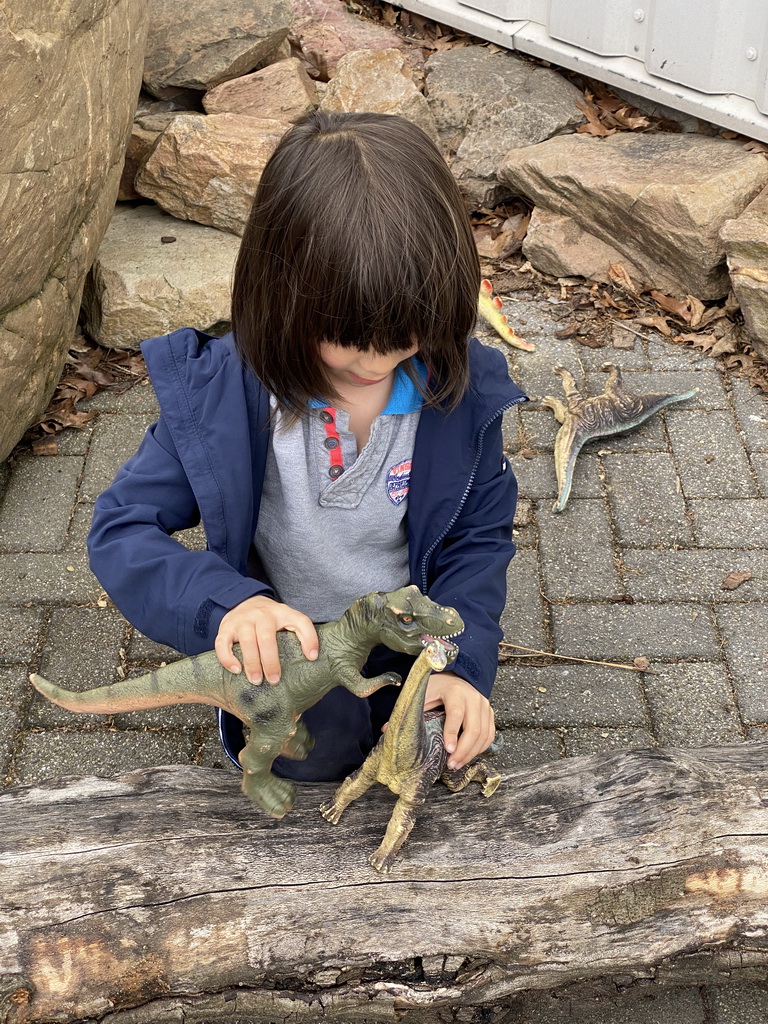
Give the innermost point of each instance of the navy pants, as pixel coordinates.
(345, 728)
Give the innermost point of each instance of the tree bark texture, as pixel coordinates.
(164, 895)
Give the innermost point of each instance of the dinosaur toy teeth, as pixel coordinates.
(440, 647)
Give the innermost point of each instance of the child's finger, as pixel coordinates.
(304, 628)
(225, 654)
(453, 719)
(266, 637)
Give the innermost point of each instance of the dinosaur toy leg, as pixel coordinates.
(400, 825)
(298, 744)
(275, 796)
(477, 771)
(352, 787)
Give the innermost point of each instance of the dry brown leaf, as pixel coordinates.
(689, 309)
(594, 126)
(756, 147)
(735, 579)
(642, 663)
(657, 322)
(620, 277)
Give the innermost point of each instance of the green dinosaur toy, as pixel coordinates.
(613, 412)
(403, 620)
(409, 758)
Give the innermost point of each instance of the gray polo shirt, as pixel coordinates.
(332, 522)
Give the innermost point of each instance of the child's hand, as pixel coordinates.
(254, 624)
(466, 709)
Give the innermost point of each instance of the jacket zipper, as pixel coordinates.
(468, 488)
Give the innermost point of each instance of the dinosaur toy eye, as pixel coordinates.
(406, 618)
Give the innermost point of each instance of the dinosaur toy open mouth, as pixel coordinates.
(441, 651)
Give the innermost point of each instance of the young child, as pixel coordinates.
(345, 438)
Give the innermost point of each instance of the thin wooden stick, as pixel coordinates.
(569, 657)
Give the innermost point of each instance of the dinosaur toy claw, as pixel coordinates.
(614, 411)
(489, 307)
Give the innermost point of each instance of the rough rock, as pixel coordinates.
(378, 81)
(283, 91)
(145, 132)
(485, 104)
(140, 286)
(327, 31)
(206, 167)
(746, 245)
(200, 45)
(74, 72)
(660, 200)
(559, 246)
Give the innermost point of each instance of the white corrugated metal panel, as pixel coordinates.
(708, 58)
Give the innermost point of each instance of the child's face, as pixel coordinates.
(360, 368)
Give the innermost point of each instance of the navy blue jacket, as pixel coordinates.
(205, 458)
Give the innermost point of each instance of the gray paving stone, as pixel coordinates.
(602, 740)
(738, 1004)
(19, 633)
(745, 628)
(82, 651)
(536, 477)
(647, 507)
(710, 456)
(621, 632)
(751, 407)
(694, 574)
(48, 755)
(628, 358)
(524, 531)
(210, 754)
(38, 504)
(732, 523)
(643, 1005)
(567, 695)
(14, 687)
(692, 705)
(141, 648)
(669, 355)
(577, 552)
(80, 527)
(525, 748)
(539, 427)
(524, 617)
(48, 578)
(75, 441)
(535, 370)
(759, 462)
(758, 733)
(116, 437)
(140, 398)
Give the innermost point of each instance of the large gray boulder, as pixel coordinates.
(154, 274)
(199, 45)
(660, 200)
(746, 246)
(485, 104)
(73, 71)
(205, 167)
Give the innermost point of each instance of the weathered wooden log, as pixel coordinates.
(164, 896)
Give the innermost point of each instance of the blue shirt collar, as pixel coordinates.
(405, 397)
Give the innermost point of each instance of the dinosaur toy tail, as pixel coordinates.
(177, 683)
(489, 307)
(568, 444)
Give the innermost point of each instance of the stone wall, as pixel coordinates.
(73, 71)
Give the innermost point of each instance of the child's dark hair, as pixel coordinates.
(359, 236)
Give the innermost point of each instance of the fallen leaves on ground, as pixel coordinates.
(735, 579)
(89, 368)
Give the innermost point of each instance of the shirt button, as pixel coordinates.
(335, 472)
(326, 417)
(331, 442)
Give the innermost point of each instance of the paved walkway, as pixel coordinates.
(633, 568)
